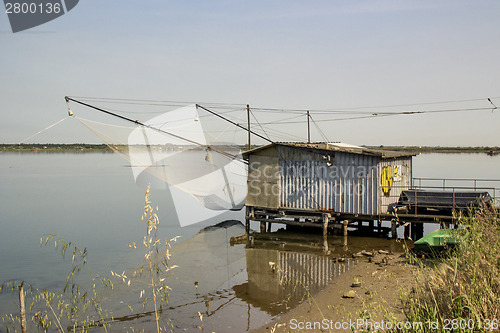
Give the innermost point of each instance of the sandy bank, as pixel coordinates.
(383, 280)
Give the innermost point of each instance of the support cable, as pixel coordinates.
(258, 123)
(137, 122)
(319, 129)
(43, 130)
(235, 124)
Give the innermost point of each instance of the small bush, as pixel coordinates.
(464, 287)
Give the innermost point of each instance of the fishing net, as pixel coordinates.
(187, 148)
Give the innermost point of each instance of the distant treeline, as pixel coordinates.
(426, 149)
(62, 147)
(54, 147)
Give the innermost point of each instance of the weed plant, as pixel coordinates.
(156, 265)
(461, 291)
(77, 308)
(71, 309)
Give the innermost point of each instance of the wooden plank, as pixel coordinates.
(302, 224)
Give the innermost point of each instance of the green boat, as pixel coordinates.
(438, 240)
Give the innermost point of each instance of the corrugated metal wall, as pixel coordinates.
(320, 180)
(263, 179)
(312, 179)
(401, 171)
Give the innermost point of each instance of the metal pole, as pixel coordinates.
(453, 198)
(232, 122)
(308, 128)
(249, 133)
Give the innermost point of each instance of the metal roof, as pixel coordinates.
(335, 146)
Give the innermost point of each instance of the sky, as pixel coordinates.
(353, 56)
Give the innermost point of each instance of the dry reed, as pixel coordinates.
(77, 308)
(461, 292)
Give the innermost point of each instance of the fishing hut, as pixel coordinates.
(330, 185)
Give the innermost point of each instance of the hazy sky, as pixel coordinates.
(272, 54)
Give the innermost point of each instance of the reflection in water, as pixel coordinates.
(279, 280)
(207, 269)
(212, 281)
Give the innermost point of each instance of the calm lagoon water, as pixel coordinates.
(89, 199)
(92, 200)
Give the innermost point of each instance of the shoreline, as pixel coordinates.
(83, 147)
(377, 285)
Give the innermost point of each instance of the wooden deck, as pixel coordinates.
(347, 224)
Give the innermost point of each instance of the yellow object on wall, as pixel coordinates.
(387, 179)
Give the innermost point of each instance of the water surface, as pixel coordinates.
(91, 200)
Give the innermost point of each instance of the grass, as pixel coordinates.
(73, 308)
(78, 309)
(157, 260)
(461, 292)
(457, 292)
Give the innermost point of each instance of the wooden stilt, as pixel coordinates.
(22, 309)
(338, 223)
(407, 231)
(394, 233)
(414, 231)
(247, 221)
(419, 231)
(326, 218)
